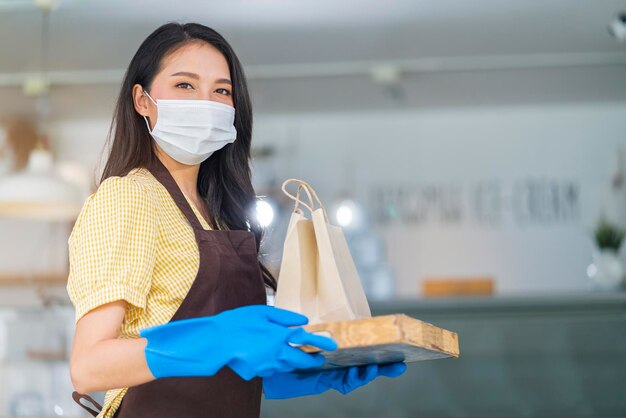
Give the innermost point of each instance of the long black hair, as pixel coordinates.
(224, 179)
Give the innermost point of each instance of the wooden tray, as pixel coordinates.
(384, 339)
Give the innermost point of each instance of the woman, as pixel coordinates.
(170, 296)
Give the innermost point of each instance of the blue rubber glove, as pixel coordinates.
(344, 380)
(252, 340)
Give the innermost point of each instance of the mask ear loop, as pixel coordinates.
(149, 97)
(145, 93)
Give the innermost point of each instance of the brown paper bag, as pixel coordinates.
(317, 276)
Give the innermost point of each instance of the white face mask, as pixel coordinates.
(190, 131)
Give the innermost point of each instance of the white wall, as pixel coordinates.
(450, 147)
(461, 147)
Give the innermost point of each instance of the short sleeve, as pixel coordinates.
(112, 247)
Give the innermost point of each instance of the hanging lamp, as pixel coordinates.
(38, 192)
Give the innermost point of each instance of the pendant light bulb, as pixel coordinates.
(45, 5)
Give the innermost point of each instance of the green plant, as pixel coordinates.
(608, 236)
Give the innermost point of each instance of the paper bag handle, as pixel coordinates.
(311, 204)
(308, 189)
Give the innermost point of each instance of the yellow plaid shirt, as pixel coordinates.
(132, 242)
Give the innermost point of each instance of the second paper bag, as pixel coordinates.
(317, 276)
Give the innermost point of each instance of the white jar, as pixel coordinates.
(607, 270)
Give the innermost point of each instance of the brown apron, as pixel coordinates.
(228, 277)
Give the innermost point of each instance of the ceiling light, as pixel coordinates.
(264, 213)
(385, 74)
(350, 215)
(36, 86)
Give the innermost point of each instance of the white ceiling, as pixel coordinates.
(88, 35)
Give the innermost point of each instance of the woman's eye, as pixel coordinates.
(226, 91)
(184, 84)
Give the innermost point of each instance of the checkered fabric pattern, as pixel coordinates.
(132, 242)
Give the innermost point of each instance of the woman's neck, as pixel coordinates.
(186, 176)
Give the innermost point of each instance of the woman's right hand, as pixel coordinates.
(252, 340)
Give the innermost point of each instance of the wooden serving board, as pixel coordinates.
(384, 339)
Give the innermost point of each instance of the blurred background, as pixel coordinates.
(473, 152)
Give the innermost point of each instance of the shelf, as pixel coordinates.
(27, 280)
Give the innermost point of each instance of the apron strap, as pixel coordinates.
(78, 396)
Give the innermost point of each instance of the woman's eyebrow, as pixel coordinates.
(197, 77)
(188, 74)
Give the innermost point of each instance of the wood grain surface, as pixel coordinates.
(384, 339)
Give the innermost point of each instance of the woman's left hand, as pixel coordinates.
(344, 380)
